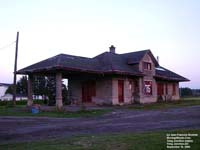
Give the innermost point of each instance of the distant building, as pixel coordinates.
(3, 88)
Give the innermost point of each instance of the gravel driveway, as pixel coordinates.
(18, 129)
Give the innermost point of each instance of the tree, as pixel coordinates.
(40, 86)
(51, 90)
(186, 92)
(21, 87)
(44, 86)
(10, 89)
(65, 95)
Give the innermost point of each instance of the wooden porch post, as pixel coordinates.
(30, 91)
(59, 103)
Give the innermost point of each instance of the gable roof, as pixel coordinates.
(136, 57)
(105, 63)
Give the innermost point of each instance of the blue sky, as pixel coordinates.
(170, 28)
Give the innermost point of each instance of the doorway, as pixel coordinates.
(121, 91)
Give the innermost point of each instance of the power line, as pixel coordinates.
(6, 46)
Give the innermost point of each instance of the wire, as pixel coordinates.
(6, 46)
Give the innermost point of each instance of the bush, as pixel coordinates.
(41, 102)
(21, 102)
(4, 103)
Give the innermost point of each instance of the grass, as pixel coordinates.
(122, 141)
(21, 110)
(191, 98)
(164, 105)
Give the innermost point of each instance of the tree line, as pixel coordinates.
(188, 92)
(42, 86)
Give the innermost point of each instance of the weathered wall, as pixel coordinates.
(128, 91)
(103, 91)
(75, 90)
(107, 90)
(168, 93)
(170, 89)
(147, 58)
(148, 98)
(149, 76)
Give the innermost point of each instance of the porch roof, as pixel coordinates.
(165, 74)
(105, 63)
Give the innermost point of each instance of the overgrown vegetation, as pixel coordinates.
(6, 108)
(188, 92)
(42, 86)
(21, 102)
(21, 110)
(130, 141)
(170, 104)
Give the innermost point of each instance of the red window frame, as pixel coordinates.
(148, 87)
(147, 66)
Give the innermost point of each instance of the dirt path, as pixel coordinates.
(17, 129)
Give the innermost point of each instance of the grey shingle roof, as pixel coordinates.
(163, 73)
(135, 57)
(104, 63)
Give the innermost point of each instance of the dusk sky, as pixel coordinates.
(170, 28)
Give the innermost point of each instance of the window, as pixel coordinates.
(148, 87)
(147, 65)
(160, 88)
(174, 89)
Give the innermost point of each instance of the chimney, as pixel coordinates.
(112, 49)
(158, 59)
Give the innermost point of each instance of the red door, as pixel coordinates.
(121, 91)
(88, 90)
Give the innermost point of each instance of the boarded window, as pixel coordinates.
(88, 91)
(174, 89)
(147, 66)
(148, 87)
(160, 88)
(166, 88)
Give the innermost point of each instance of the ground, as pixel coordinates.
(18, 129)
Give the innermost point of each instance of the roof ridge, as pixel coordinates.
(135, 52)
(71, 55)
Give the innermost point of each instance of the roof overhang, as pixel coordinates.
(67, 70)
(171, 79)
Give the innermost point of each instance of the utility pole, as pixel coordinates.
(15, 70)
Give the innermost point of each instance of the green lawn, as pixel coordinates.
(164, 105)
(21, 110)
(191, 98)
(130, 141)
